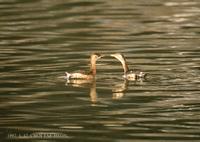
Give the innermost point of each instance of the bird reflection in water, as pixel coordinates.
(118, 91)
(80, 83)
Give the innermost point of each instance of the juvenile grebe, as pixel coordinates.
(128, 74)
(91, 74)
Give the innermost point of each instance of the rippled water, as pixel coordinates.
(41, 39)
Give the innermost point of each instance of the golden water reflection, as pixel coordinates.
(118, 90)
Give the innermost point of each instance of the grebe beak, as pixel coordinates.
(100, 56)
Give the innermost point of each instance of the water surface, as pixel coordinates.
(41, 39)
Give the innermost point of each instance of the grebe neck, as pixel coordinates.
(122, 59)
(93, 65)
(125, 66)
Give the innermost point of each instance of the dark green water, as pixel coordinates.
(41, 39)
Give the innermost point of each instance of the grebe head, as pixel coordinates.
(96, 56)
(93, 58)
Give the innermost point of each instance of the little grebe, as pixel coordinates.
(128, 74)
(91, 74)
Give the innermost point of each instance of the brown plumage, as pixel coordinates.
(91, 74)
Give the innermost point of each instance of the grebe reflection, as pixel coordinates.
(88, 76)
(118, 90)
(128, 74)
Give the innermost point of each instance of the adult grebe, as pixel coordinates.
(128, 74)
(91, 74)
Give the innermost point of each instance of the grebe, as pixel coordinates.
(91, 74)
(128, 74)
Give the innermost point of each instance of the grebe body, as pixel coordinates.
(78, 75)
(128, 74)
